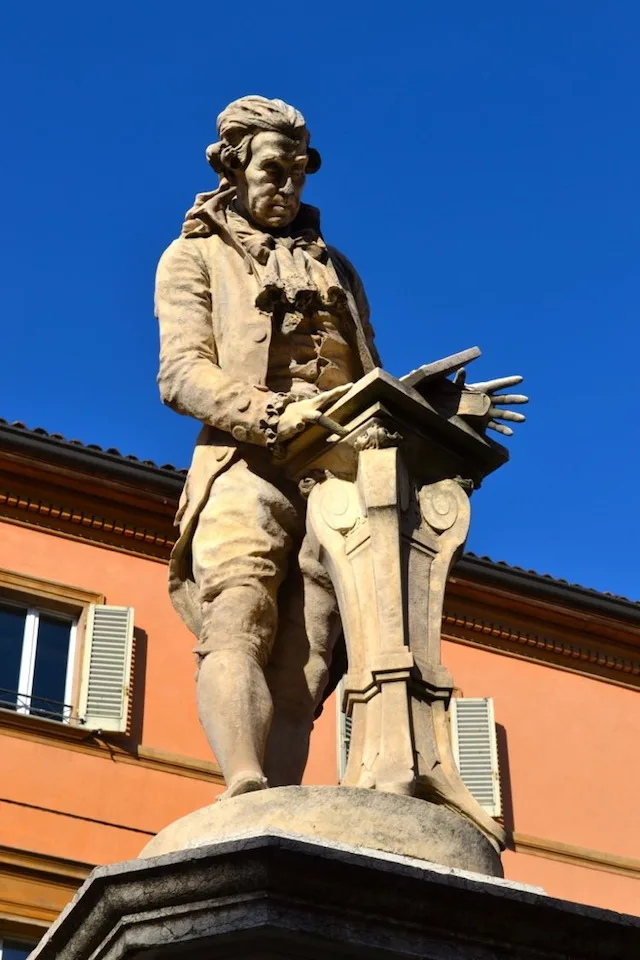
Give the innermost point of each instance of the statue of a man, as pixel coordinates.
(262, 327)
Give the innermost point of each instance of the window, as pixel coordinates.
(36, 661)
(65, 655)
(12, 950)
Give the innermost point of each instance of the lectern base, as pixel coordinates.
(267, 897)
(361, 818)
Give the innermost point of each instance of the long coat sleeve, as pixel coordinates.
(191, 380)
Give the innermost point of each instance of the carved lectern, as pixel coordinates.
(388, 514)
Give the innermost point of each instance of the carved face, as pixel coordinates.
(270, 186)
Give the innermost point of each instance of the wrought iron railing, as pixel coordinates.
(34, 705)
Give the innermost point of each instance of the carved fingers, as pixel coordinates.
(325, 399)
(490, 386)
(506, 399)
(298, 414)
(496, 415)
(500, 428)
(500, 400)
(499, 414)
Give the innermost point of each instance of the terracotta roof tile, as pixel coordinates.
(93, 447)
(542, 578)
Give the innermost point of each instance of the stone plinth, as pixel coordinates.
(268, 897)
(362, 818)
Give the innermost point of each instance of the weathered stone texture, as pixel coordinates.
(266, 897)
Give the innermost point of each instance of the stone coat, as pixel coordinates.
(214, 353)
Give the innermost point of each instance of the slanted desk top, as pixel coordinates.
(380, 397)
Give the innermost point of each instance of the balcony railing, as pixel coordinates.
(34, 706)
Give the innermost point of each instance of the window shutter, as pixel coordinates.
(345, 739)
(344, 732)
(475, 748)
(106, 670)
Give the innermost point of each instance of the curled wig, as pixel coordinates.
(242, 119)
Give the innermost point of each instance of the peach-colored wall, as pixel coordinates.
(573, 774)
(571, 743)
(570, 882)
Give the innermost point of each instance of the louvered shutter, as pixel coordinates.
(344, 732)
(345, 738)
(106, 670)
(473, 735)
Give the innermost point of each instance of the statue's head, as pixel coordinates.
(264, 151)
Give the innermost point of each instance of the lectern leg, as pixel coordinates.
(388, 550)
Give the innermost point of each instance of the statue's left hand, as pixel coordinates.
(497, 401)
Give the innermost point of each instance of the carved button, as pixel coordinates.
(239, 433)
(260, 336)
(244, 403)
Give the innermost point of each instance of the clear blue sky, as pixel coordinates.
(481, 165)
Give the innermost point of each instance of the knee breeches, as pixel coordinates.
(261, 589)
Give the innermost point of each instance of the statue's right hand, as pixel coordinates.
(298, 414)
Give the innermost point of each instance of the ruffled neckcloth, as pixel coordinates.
(293, 267)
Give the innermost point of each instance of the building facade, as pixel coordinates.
(100, 744)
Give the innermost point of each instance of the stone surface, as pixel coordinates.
(363, 818)
(263, 327)
(388, 536)
(268, 897)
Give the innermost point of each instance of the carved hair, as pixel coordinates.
(242, 119)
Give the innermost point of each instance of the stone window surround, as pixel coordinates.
(53, 597)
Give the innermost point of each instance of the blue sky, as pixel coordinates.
(480, 169)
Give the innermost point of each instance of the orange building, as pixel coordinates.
(100, 743)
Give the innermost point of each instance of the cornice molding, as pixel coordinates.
(35, 888)
(576, 856)
(41, 864)
(535, 613)
(55, 593)
(559, 593)
(66, 736)
(79, 524)
(48, 453)
(598, 663)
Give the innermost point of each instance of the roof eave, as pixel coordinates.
(546, 588)
(84, 459)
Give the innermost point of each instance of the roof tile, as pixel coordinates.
(94, 447)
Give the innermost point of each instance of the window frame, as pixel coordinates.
(28, 945)
(57, 600)
(24, 693)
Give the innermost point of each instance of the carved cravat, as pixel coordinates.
(296, 274)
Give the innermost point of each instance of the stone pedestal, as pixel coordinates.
(274, 896)
(370, 819)
(388, 513)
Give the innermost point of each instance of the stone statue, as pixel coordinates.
(264, 327)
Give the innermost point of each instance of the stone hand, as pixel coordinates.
(298, 414)
(495, 401)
